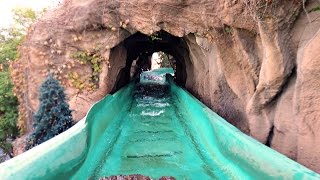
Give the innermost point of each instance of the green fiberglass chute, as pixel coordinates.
(154, 130)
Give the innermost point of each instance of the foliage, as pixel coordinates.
(94, 59)
(8, 112)
(165, 60)
(228, 30)
(10, 38)
(315, 9)
(9, 43)
(53, 116)
(24, 17)
(155, 37)
(79, 83)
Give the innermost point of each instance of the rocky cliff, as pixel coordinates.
(254, 62)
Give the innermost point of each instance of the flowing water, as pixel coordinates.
(158, 136)
(153, 140)
(156, 129)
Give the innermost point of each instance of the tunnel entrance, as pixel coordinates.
(139, 51)
(196, 63)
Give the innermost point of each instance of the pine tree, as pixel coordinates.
(53, 116)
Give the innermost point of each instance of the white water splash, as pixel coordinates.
(152, 113)
(160, 105)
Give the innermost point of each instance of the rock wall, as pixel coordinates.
(253, 62)
(307, 104)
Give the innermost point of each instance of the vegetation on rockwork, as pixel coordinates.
(155, 36)
(317, 8)
(53, 116)
(165, 60)
(10, 39)
(92, 58)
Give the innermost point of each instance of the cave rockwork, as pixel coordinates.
(255, 63)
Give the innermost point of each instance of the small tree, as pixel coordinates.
(53, 116)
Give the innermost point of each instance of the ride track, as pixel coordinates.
(154, 128)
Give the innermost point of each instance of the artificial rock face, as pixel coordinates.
(255, 63)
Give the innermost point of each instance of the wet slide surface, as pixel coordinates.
(153, 140)
(155, 129)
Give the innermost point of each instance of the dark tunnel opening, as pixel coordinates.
(141, 47)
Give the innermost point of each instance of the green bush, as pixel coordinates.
(8, 112)
(53, 116)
